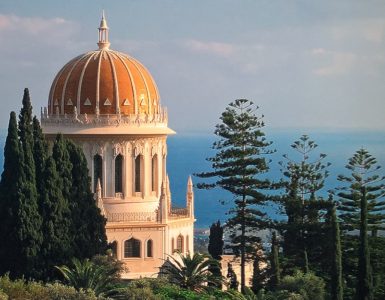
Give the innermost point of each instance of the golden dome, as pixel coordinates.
(103, 82)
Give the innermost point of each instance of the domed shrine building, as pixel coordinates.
(108, 103)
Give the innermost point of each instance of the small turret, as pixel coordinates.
(99, 199)
(168, 194)
(163, 204)
(190, 198)
(103, 42)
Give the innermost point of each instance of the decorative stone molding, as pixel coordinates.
(132, 217)
(84, 120)
(139, 147)
(119, 149)
(98, 149)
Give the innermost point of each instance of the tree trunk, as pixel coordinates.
(243, 246)
(365, 282)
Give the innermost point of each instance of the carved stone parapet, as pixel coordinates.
(132, 217)
(84, 120)
(177, 213)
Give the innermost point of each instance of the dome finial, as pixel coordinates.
(103, 42)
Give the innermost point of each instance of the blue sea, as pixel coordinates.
(187, 155)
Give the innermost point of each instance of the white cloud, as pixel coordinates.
(216, 48)
(14, 25)
(370, 30)
(336, 62)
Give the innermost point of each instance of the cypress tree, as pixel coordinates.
(216, 243)
(275, 267)
(215, 248)
(88, 223)
(11, 184)
(56, 245)
(259, 275)
(29, 229)
(63, 166)
(336, 276)
(40, 154)
(26, 137)
(237, 167)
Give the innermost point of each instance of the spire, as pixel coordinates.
(164, 210)
(98, 189)
(168, 193)
(190, 198)
(99, 199)
(103, 42)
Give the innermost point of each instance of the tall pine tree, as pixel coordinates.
(336, 276)
(361, 208)
(365, 279)
(303, 179)
(238, 167)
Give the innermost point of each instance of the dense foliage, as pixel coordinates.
(45, 193)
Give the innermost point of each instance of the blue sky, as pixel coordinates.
(307, 64)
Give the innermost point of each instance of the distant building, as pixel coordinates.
(108, 103)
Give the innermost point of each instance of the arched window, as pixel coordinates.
(119, 174)
(138, 162)
(114, 248)
(149, 248)
(132, 248)
(154, 173)
(98, 170)
(179, 243)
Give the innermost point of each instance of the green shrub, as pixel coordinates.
(57, 291)
(15, 290)
(308, 285)
(21, 290)
(3, 296)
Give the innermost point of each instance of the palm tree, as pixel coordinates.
(88, 275)
(191, 272)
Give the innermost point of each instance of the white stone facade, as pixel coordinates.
(126, 151)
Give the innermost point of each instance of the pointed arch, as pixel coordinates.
(132, 248)
(149, 248)
(138, 178)
(179, 243)
(154, 173)
(98, 170)
(119, 173)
